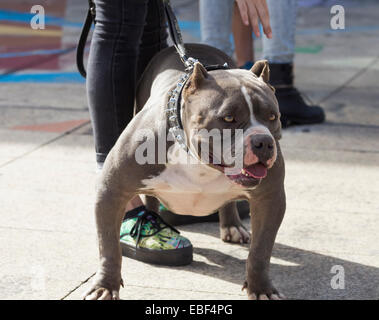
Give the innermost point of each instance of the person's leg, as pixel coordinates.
(112, 65)
(280, 52)
(215, 23)
(122, 45)
(243, 41)
(154, 39)
(281, 48)
(155, 35)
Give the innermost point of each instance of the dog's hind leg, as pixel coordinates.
(151, 203)
(231, 227)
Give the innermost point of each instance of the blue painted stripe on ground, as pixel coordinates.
(33, 53)
(25, 17)
(54, 77)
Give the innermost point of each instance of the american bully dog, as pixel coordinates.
(232, 100)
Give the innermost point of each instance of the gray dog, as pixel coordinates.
(219, 99)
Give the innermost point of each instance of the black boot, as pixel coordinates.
(294, 110)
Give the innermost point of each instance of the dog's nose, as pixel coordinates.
(261, 143)
(262, 148)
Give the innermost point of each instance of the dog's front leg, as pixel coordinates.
(267, 212)
(109, 212)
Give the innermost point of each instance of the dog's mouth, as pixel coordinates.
(255, 171)
(247, 176)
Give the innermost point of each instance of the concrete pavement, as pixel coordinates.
(48, 243)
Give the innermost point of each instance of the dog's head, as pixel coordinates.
(233, 115)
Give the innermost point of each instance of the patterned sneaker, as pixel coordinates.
(144, 236)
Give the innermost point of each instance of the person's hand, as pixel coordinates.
(253, 11)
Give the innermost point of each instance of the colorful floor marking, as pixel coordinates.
(57, 127)
(305, 50)
(34, 53)
(25, 17)
(15, 25)
(8, 30)
(53, 77)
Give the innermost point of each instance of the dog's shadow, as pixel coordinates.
(302, 275)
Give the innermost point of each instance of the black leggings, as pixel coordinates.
(128, 33)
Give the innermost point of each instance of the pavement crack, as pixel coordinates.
(78, 286)
(360, 151)
(350, 80)
(351, 125)
(45, 144)
(42, 230)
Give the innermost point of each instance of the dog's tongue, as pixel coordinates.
(257, 171)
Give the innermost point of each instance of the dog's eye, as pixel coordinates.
(229, 119)
(272, 117)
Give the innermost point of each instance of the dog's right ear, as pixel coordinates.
(199, 74)
(262, 70)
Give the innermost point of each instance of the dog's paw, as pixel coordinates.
(273, 296)
(234, 234)
(101, 294)
(103, 288)
(269, 293)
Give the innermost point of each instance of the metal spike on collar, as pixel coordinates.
(172, 109)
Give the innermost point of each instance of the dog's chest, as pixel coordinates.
(194, 189)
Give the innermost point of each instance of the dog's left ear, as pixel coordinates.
(262, 70)
(199, 74)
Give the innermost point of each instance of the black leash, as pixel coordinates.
(177, 39)
(91, 15)
(174, 30)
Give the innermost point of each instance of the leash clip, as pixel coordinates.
(92, 9)
(190, 63)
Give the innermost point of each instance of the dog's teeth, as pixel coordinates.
(243, 172)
